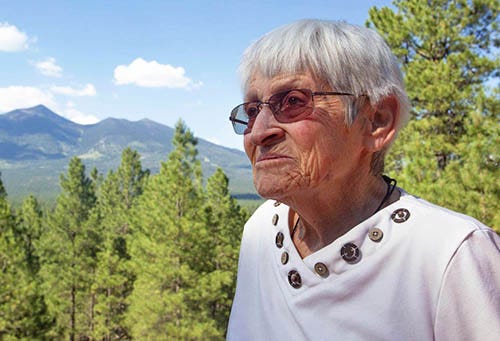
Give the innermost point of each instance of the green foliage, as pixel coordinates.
(114, 279)
(23, 311)
(471, 180)
(29, 229)
(3, 192)
(224, 221)
(164, 243)
(68, 255)
(449, 151)
(184, 250)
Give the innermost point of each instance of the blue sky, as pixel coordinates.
(162, 60)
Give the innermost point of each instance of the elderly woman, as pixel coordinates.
(341, 253)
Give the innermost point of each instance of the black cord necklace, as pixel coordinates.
(295, 227)
(391, 186)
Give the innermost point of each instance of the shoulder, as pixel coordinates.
(438, 222)
(471, 279)
(429, 236)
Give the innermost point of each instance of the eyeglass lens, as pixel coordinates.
(288, 106)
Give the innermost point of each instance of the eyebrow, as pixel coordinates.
(251, 97)
(285, 86)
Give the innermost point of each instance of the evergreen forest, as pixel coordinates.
(125, 255)
(132, 255)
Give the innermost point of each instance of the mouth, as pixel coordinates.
(271, 157)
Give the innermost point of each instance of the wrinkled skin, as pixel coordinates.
(309, 155)
(318, 166)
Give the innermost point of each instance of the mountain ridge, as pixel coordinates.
(36, 145)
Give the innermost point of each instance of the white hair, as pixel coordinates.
(347, 57)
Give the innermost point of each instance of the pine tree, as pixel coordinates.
(224, 223)
(68, 255)
(449, 152)
(11, 257)
(477, 171)
(29, 229)
(167, 238)
(3, 192)
(23, 311)
(114, 279)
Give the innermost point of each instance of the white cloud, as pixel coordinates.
(88, 90)
(17, 97)
(20, 97)
(71, 113)
(153, 74)
(48, 67)
(11, 39)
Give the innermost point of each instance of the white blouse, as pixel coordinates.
(412, 271)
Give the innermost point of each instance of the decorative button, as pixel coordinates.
(294, 279)
(350, 253)
(277, 203)
(284, 258)
(275, 219)
(400, 215)
(279, 239)
(375, 234)
(321, 269)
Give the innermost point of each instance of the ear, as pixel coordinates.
(380, 124)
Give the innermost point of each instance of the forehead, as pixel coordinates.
(261, 87)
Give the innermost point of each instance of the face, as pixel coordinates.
(317, 153)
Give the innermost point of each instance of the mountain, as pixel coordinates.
(36, 145)
(36, 133)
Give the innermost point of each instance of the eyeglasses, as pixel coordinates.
(287, 106)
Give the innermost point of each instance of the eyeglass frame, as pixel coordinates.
(276, 111)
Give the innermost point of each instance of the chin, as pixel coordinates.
(277, 183)
(271, 189)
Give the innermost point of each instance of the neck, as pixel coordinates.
(325, 215)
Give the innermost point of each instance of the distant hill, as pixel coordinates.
(36, 145)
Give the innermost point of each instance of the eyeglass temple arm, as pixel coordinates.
(320, 93)
(235, 120)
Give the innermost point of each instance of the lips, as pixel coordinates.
(271, 156)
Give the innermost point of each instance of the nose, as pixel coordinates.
(266, 129)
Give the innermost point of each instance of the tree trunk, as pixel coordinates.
(72, 322)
